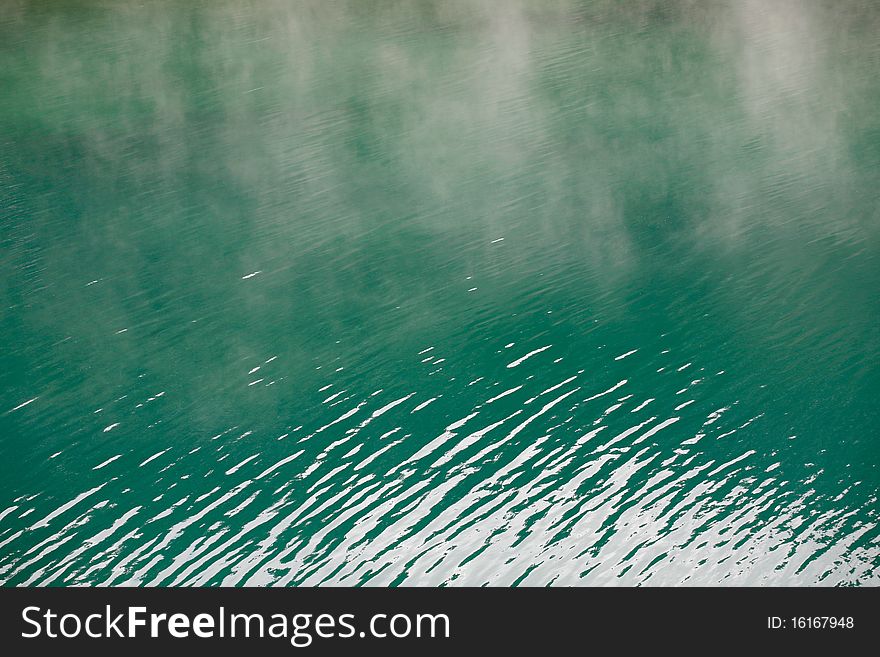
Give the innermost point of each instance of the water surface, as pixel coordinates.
(439, 293)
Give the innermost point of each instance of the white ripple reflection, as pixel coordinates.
(536, 483)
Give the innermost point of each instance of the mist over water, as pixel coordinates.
(439, 293)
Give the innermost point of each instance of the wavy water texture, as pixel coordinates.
(439, 293)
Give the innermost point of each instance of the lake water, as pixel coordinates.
(439, 293)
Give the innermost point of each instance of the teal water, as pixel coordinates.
(439, 293)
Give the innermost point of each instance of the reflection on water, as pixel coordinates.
(439, 293)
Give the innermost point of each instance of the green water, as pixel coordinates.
(439, 293)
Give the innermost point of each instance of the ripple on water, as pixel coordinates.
(541, 482)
